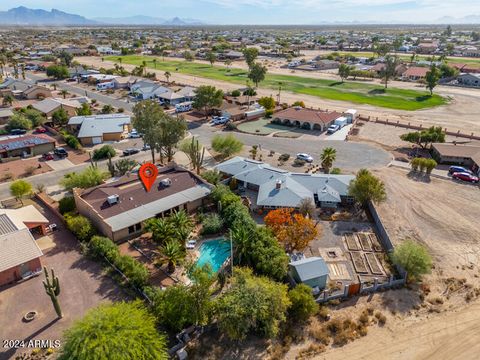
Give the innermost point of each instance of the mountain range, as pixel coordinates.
(23, 16)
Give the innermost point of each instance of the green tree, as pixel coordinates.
(207, 97)
(367, 187)
(104, 152)
(267, 102)
(211, 57)
(80, 226)
(20, 188)
(167, 76)
(172, 130)
(19, 121)
(64, 93)
(257, 73)
(161, 229)
(66, 58)
(182, 225)
(432, 77)
(84, 110)
(35, 116)
(328, 156)
(171, 253)
(303, 304)
(107, 109)
(425, 138)
(212, 176)
(91, 176)
(8, 100)
(226, 145)
(250, 55)
(188, 56)
(344, 71)
(58, 72)
(147, 116)
(173, 307)
(413, 257)
(123, 166)
(382, 49)
(115, 331)
(60, 117)
(389, 70)
(252, 304)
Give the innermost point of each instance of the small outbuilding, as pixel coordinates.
(312, 271)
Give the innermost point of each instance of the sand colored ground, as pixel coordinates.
(460, 114)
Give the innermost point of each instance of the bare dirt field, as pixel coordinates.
(459, 114)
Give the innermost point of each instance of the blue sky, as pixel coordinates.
(266, 11)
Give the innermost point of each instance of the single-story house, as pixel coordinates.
(124, 82)
(379, 67)
(95, 129)
(50, 105)
(312, 271)
(20, 254)
(326, 64)
(188, 93)
(170, 97)
(16, 85)
(415, 73)
(453, 154)
(26, 145)
(120, 208)
(310, 119)
(145, 90)
(37, 92)
(277, 188)
(242, 100)
(5, 115)
(472, 80)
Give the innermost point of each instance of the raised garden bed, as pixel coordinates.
(366, 245)
(376, 243)
(351, 241)
(373, 264)
(359, 263)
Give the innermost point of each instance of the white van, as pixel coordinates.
(183, 107)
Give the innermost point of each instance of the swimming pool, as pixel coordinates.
(214, 252)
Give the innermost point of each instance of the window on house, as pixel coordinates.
(131, 229)
(138, 227)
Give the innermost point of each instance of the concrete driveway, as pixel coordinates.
(60, 164)
(83, 286)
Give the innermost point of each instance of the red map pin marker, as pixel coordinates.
(148, 174)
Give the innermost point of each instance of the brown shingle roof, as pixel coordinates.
(308, 115)
(416, 71)
(132, 193)
(451, 150)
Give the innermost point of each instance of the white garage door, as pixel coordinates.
(97, 140)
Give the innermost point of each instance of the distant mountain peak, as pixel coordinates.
(24, 16)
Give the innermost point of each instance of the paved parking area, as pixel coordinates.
(83, 286)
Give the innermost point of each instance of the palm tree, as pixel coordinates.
(328, 157)
(144, 65)
(119, 60)
(182, 224)
(167, 76)
(7, 100)
(161, 229)
(64, 93)
(241, 238)
(172, 253)
(279, 91)
(154, 63)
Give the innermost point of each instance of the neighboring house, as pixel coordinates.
(310, 119)
(415, 73)
(312, 271)
(170, 97)
(427, 47)
(232, 55)
(96, 129)
(20, 254)
(26, 146)
(145, 90)
(472, 80)
(277, 188)
(466, 155)
(37, 92)
(326, 64)
(242, 100)
(50, 105)
(378, 68)
(80, 71)
(124, 82)
(15, 85)
(188, 93)
(120, 208)
(5, 115)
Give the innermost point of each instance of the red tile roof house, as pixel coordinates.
(119, 209)
(310, 119)
(26, 146)
(415, 73)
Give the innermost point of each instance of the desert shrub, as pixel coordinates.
(236, 93)
(320, 334)
(303, 304)
(284, 157)
(80, 226)
(336, 171)
(212, 176)
(364, 318)
(323, 312)
(231, 126)
(66, 204)
(268, 114)
(30, 170)
(104, 152)
(382, 319)
(134, 270)
(299, 162)
(311, 351)
(101, 246)
(362, 330)
(335, 326)
(340, 339)
(72, 141)
(212, 224)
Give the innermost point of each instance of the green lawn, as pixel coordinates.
(354, 92)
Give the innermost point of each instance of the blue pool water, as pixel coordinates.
(214, 252)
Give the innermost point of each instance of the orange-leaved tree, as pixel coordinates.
(295, 231)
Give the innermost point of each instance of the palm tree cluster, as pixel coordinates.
(170, 234)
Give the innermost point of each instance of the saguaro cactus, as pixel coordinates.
(52, 288)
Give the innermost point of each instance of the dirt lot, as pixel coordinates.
(22, 168)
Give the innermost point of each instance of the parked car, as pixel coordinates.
(458, 169)
(130, 151)
(220, 120)
(60, 152)
(145, 147)
(464, 176)
(333, 128)
(134, 134)
(47, 156)
(40, 130)
(18, 131)
(305, 157)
